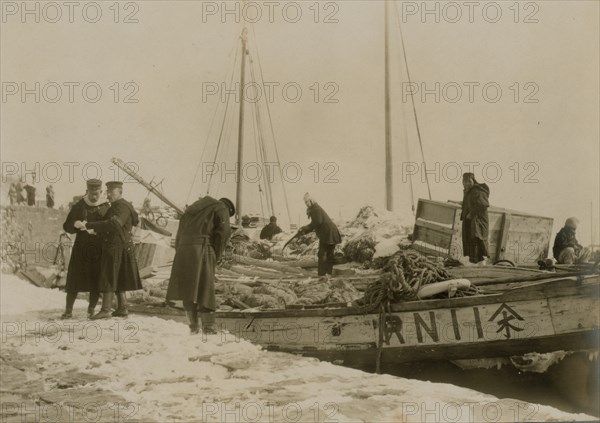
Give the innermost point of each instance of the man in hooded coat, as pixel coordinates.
(200, 242)
(566, 248)
(474, 216)
(326, 231)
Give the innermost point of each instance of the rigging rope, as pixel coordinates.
(269, 192)
(223, 123)
(411, 95)
(256, 152)
(407, 152)
(287, 206)
(204, 148)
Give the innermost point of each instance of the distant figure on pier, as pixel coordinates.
(19, 188)
(326, 231)
(270, 230)
(50, 196)
(30, 189)
(474, 216)
(12, 194)
(567, 249)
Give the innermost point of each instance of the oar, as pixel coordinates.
(287, 243)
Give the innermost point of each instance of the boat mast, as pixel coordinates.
(238, 197)
(389, 198)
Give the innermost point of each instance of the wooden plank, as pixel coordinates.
(580, 311)
(504, 231)
(433, 237)
(464, 325)
(433, 226)
(436, 211)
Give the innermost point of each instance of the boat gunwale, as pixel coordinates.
(538, 289)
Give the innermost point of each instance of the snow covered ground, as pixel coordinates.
(165, 374)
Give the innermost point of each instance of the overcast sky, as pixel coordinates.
(541, 131)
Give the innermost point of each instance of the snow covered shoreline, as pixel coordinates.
(164, 374)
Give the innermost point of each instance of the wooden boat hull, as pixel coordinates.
(557, 314)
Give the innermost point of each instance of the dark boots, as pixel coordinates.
(207, 316)
(121, 310)
(94, 297)
(208, 323)
(71, 297)
(192, 316)
(107, 299)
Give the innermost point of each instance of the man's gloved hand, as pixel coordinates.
(79, 225)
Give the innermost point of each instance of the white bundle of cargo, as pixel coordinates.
(374, 233)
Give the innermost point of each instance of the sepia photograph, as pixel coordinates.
(310, 211)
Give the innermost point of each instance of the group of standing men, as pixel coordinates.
(20, 193)
(102, 258)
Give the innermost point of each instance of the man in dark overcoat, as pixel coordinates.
(200, 242)
(270, 230)
(118, 266)
(84, 266)
(474, 216)
(327, 232)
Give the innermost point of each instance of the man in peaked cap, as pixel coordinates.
(200, 242)
(326, 231)
(567, 249)
(84, 266)
(118, 266)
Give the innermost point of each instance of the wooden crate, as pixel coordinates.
(516, 236)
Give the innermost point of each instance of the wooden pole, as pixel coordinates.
(240, 156)
(389, 198)
(123, 166)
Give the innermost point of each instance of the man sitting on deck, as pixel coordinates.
(567, 249)
(270, 230)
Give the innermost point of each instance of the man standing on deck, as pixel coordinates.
(326, 231)
(118, 267)
(200, 242)
(474, 216)
(567, 249)
(84, 266)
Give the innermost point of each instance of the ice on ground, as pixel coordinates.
(172, 376)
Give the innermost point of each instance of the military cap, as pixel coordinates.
(114, 184)
(93, 183)
(229, 205)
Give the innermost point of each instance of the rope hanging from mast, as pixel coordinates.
(225, 116)
(262, 79)
(412, 96)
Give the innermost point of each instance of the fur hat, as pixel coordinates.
(572, 222)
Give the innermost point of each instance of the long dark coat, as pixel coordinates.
(474, 216)
(201, 239)
(323, 226)
(84, 267)
(118, 265)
